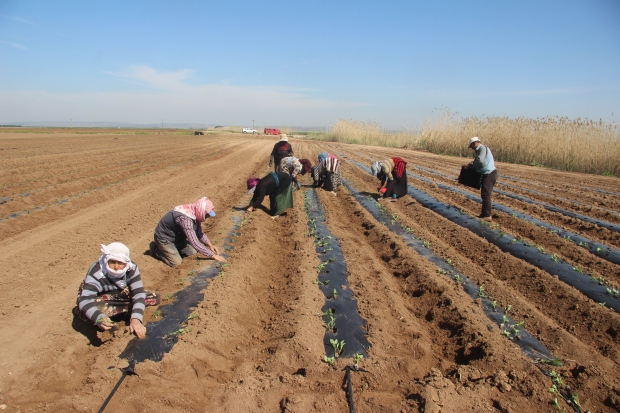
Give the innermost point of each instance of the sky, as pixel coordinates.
(310, 63)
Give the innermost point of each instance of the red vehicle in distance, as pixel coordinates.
(272, 131)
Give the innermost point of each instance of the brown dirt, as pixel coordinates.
(257, 343)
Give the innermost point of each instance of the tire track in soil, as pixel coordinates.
(423, 332)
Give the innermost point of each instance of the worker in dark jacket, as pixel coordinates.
(281, 149)
(275, 184)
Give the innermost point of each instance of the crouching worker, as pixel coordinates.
(275, 184)
(113, 290)
(326, 173)
(393, 176)
(179, 234)
(295, 167)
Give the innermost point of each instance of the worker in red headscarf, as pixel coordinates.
(179, 234)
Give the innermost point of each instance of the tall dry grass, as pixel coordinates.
(577, 145)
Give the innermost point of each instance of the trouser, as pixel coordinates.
(172, 253)
(486, 190)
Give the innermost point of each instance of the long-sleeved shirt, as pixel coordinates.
(267, 186)
(97, 283)
(484, 161)
(175, 226)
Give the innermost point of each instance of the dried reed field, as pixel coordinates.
(576, 145)
(452, 315)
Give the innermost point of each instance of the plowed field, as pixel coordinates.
(256, 342)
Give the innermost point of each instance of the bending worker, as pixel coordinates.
(484, 164)
(275, 184)
(179, 234)
(393, 176)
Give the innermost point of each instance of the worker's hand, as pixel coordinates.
(215, 249)
(136, 327)
(219, 258)
(250, 209)
(105, 323)
(379, 188)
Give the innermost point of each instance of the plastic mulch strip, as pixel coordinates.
(536, 256)
(342, 320)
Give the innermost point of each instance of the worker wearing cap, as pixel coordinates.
(484, 164)
(179, 234)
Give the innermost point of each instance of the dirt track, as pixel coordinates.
(257, 343)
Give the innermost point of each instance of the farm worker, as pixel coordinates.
(275, 184)
(294, 167)
(179, 234)
(393, 176)
(327, 172)
(280, 150)
(113, 289)
(485, 164)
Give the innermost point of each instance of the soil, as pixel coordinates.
(256, 343)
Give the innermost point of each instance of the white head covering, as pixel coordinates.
(375, 168)
(118, 252)
(283, 137)
(472, 140)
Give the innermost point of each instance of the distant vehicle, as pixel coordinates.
(198, 132)
(272, 131)
(249, 130)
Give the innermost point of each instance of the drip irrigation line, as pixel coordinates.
(127, 371)
(600, 250)
(529, 253)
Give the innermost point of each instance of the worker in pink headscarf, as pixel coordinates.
(179, 234)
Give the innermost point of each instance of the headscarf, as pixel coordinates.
(307, 166)
(198, 210)
(323, 156)
(283, 137)
(118, 252)
(375, 168)
(252, 183)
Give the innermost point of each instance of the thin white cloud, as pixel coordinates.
(162, 80)
(18, 19)
(15, 45)
(223, 104)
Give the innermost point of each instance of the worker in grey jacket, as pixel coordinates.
(484, 164)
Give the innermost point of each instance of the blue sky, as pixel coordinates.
(307, 63)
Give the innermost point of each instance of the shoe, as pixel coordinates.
(153, 249)
(487, 219)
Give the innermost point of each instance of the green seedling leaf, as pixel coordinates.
(156, 314)
(481, 293)
(329, 360)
